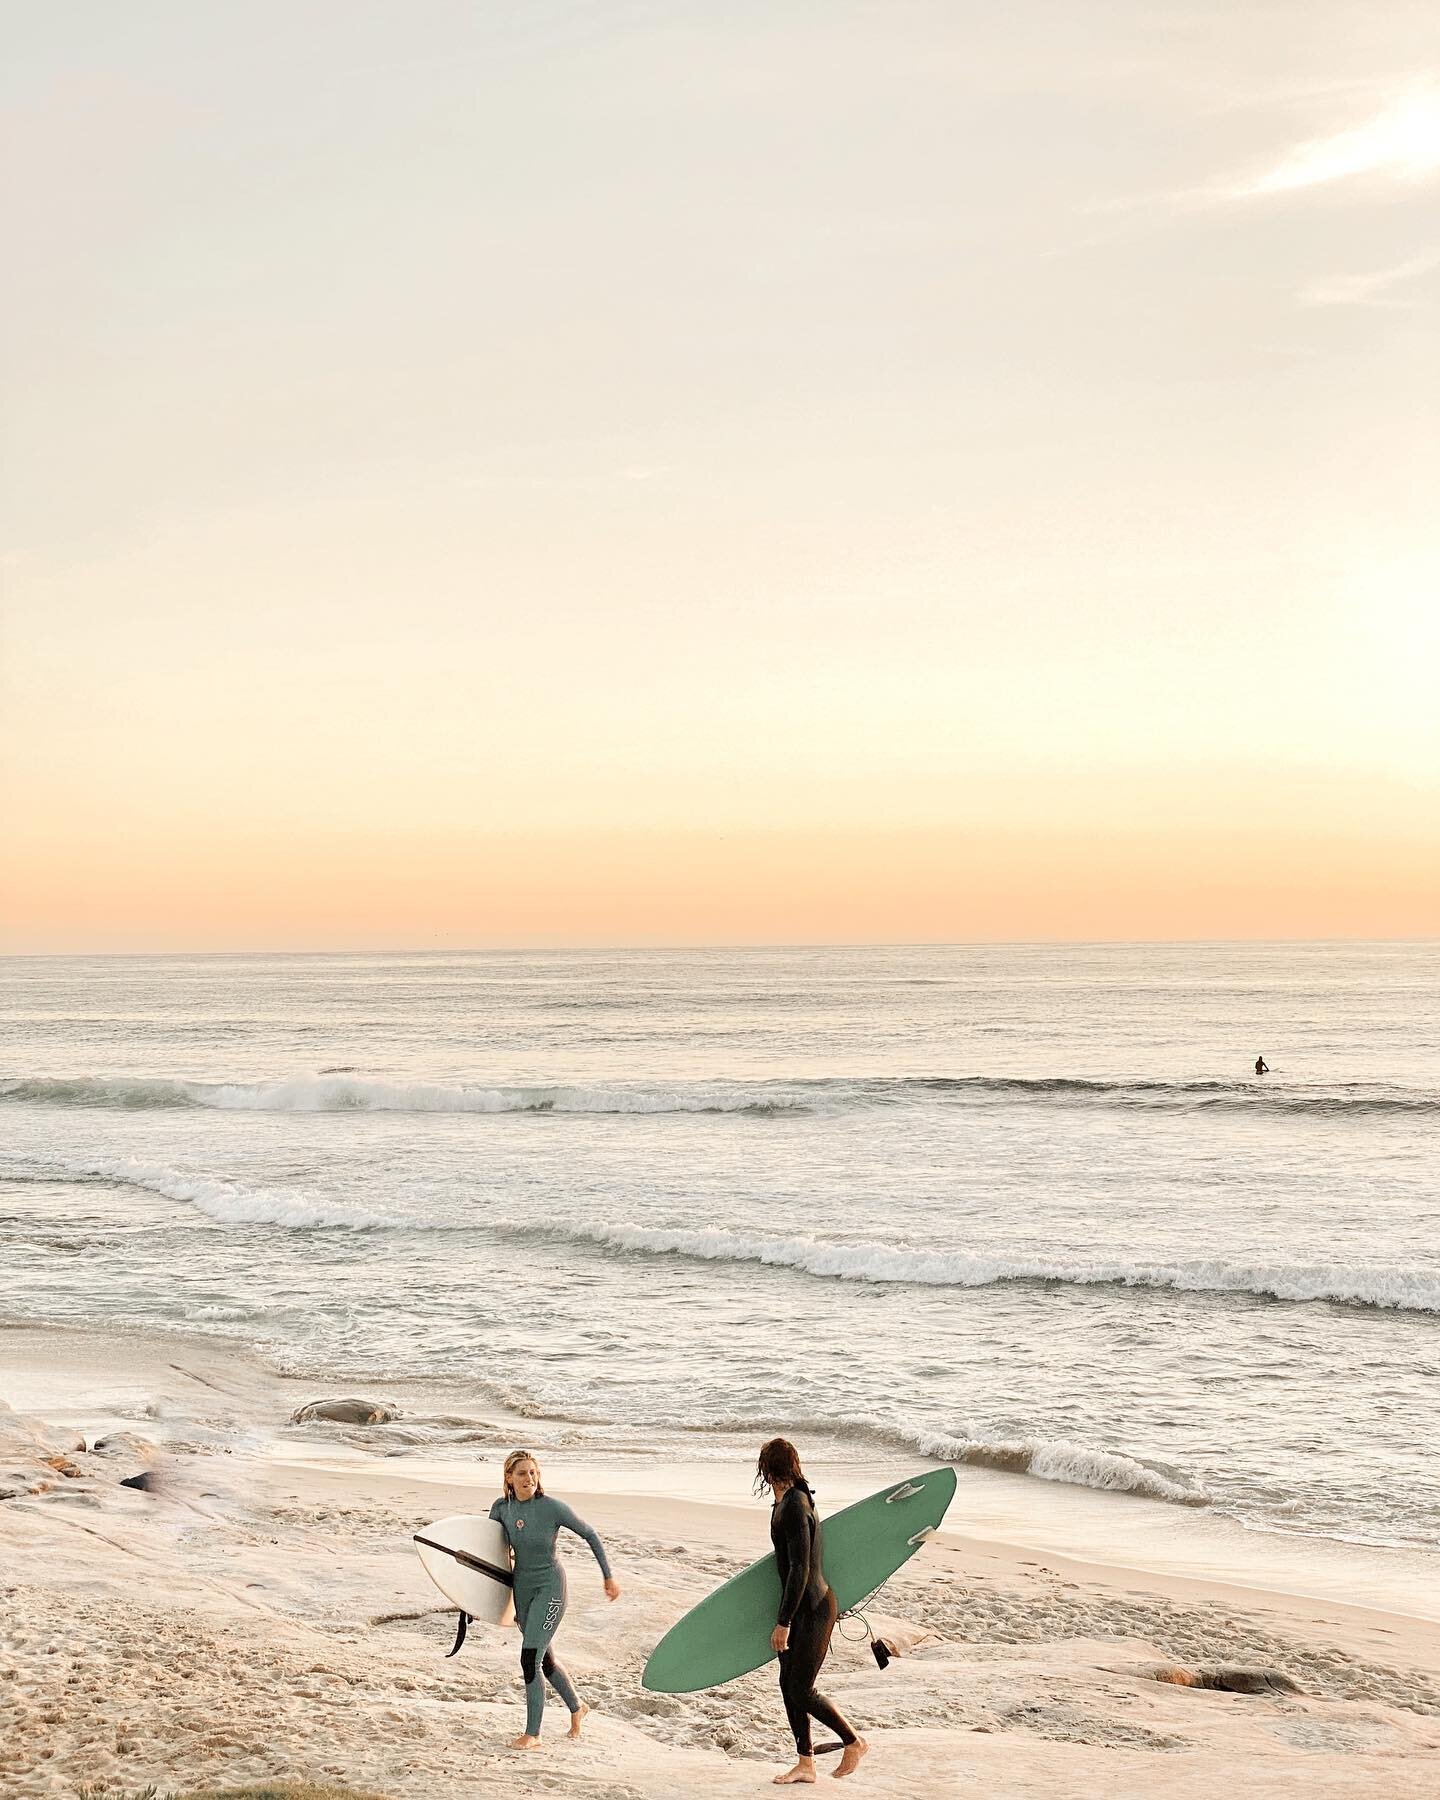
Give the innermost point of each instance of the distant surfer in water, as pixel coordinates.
(532, 1520)
(1261, 1066)
(807, 1611)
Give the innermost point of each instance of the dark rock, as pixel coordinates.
(1227, 1678)
(345, 1412)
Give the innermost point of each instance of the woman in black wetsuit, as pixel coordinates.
(807, 1611)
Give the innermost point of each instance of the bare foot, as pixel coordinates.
(850, 1757)
(804, 1770)
(525, 1742)
(577, 1719)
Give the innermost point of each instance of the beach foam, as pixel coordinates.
(1046, 1459)
(1388, 1286)
(1392, 1287)
(345, 1090)
(227, 1202)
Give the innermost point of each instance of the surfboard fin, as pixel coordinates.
(921, 1537)
(906, 1491)
(460, 1631)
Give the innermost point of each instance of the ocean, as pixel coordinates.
(1019, 1207)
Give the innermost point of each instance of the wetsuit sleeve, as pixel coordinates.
(567, 1518)
(495, 1506)
(794, 1529)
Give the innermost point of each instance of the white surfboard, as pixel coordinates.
(468, 1559)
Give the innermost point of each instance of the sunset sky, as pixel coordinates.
(630, 473)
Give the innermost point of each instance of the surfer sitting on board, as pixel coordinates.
(807, 1610)
(532, 1519)
(1261, 1066)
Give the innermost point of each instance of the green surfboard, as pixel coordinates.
(728, 1633)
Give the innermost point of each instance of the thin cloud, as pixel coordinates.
(1399, 142)
(1402, 141)
(1371, 289)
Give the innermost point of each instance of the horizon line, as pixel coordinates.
(679, 948)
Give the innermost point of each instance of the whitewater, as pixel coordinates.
(1021, 1208)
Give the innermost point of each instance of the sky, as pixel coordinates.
(793, 472)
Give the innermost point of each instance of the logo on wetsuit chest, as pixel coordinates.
(519, 1524)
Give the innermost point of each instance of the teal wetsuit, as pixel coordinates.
(531, 1528)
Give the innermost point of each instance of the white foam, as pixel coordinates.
(341, 1089)
(1046, 1459)
(226, 1201)
(349, 1093)
(1391, 1285)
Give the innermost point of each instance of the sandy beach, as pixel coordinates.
(256, 1611)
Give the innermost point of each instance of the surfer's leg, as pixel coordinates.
(560, 1681)
(813, 1630)
(800, 1725)
(792, 1692)
(534, 1691)
(542, 1620)
(819, 1647)
(797, 1679)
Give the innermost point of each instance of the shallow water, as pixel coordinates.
(1018, 1206)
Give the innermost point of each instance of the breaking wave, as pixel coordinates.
(1395, 1286)
(341, 1089)
(337, 1092)
(1046, 1459)
(1392, 1286)
(227, 1202)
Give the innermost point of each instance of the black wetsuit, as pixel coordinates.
(807, 1606)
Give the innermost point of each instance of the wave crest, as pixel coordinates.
(1045, 1459)
(342, 1089)
(1390, 1286)
(227, 1202)
(338, 1092)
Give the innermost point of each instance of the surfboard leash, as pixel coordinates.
(879, 1649)
(505, 1577)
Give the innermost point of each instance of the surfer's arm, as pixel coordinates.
(497, 1513)
(592, 1537)
(796, 1539)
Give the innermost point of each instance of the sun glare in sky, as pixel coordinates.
(590, 474)
(1403, 141)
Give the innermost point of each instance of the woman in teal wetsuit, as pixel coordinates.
(532, 1520)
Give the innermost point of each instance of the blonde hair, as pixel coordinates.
(512, 1463)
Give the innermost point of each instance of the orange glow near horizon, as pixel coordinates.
(691, 888)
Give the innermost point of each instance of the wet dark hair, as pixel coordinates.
(779, 1460)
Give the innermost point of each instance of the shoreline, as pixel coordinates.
(259, 1613)
(57, 1365)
